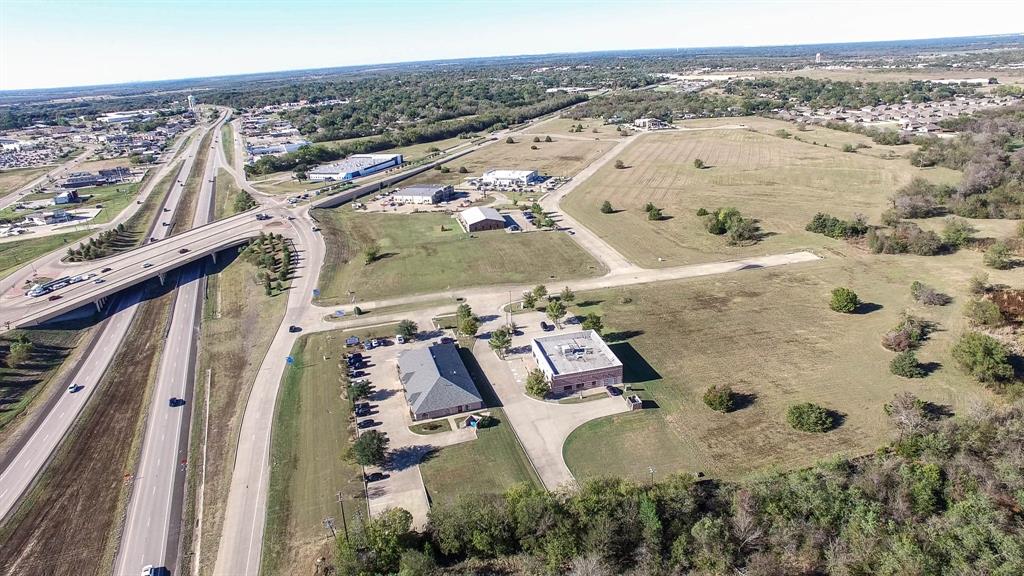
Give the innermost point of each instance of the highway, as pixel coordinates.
(152, 528)
(30, 458)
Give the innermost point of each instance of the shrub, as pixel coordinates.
(533, 147)
(844, 300)
(978, 284)
(905, 364)
(808, 417)
(536, 138)
(654, 213)
(547, 138)
(998, 257)
(606, 208)
(927, 295)
(983, 357)
(698, 164)
(835, 228)
(407, 328)
(509, 140)
(909, 333)
(957, 232)
(619, 164)
(849, 148)
(702, 212)
(537, 383)
(370, 449)
(463, 170)
(719, 398)
(984, 313)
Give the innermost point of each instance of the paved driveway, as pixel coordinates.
(403, 485)
(542, 426)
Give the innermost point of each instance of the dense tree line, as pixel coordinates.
(944, 498)
(314, 154)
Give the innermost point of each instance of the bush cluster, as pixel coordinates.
(905, 237)
(844, 300)
(729, 221)
(905, 364)
(809, 417)
(835, 228)
(719, 398)
(927, 295)
(906, 335)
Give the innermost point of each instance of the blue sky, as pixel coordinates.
(70, 43)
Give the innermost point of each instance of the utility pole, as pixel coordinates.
(329, 524)
(651, 470)
(341, 504)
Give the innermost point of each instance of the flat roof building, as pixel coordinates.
(510, 177)
(576, 361)
(355, 166)
(436, 382)
(477, 219)
(423, 194)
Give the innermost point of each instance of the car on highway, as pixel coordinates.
(147, 265)
(98, 281)
(293, 329)
(368, 423)
(167, 209)
(154, 239)
(165, 223)
(175, 402)
(54, 297)
(316, 228)
(182, 250)
(73, 387)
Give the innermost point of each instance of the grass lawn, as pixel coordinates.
(770, 335)
(14, 255)
(226, 191)
(780, 182)
(20, 385)
(417, 257)
(488, 465)
(282, 183)
(107, 164)
(435, 427)
(239, 323)
(227, 140)
(560, 126)
(311, 432)
(559, 158)
(11, 180)
(114, 199)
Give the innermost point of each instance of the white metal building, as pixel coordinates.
(510, 177)
(423, 194)
(355, 166)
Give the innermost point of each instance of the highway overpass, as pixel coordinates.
(130, 268)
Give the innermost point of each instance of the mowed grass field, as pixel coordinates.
(771, 336)
(558, 158)
(418, 257)
(780, 182)
(488, 465)
(11, 180)
(14, 255)
(560, 126)
(311, 433)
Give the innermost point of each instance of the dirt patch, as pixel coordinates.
(64, 526)
(1011, 303)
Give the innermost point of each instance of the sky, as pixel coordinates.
(56, 43)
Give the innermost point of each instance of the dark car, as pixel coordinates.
(368, 423)
(356, 374)
(175, 402)
(546, 327)
(54, 297)
(182, 250)
(168, 209)
(293, 328)
(362, 409)
(375, 477)
(355, 359)
(105, 270)
(447, 340)
(613, 391)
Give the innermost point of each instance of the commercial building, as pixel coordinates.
(82, 180)
(478, 219)
(651, 124)
(423, 194)
(355, 166)
(66, 197)
(510, 177)
(437, 383)
(53, 217)
(576, 361)
(257, 151)
(127, 116)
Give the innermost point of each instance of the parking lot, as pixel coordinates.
(401, 485)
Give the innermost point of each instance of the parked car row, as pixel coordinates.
(357, 362)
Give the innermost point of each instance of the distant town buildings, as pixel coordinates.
(126, 116)
(922, 118)
(355, 166)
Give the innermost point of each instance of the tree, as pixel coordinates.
(567, 295)
(654, 213)
(719, 397)
(463, 170)
(998, 256)
(509, 140)
(698, 164)
(702, 212)
(371, 253)
(463, 311)
(537, 383)
(809, 417)
(266, 284)
(469, 326)
(978, 284)
(555, 311)
(606, 208)
(540, 291)
(19, 352)
(407, 329)
(357, 311)
(370, 449)
(983, 357)
(957, 232)
(844, 300)
(905, 364)
(529, 300)
(547, 138)
(387, 535)
(619, 164)
(500, 341)
(360, 389)
(984, 313)
(593, 322)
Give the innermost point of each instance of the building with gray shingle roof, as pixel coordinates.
(436, 382)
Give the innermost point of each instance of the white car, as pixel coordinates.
(72, 388)
(148, 571)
